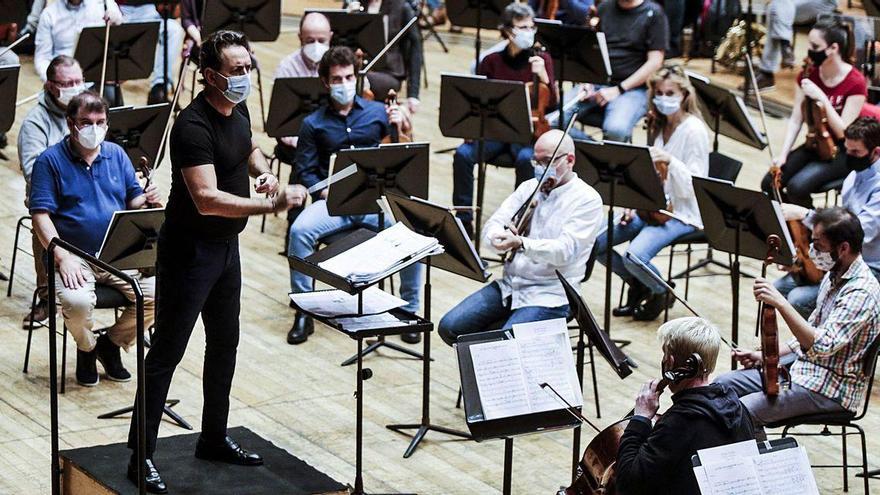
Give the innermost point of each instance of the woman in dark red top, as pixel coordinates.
(842, 90)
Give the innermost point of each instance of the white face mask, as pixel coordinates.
(667, 105)
(523, 39)
(315, 51)
(343, 93)
(91, 136)
(67, 94)
(821, 259)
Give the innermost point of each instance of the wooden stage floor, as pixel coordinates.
(299, 397)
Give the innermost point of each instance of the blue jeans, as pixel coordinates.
(495, 152)
(146, 13)
(478, 311)
(619, 117)
(645, 242)
(315, 223)
(803, 297)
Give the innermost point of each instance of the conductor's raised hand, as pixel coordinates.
(266, 184)
(290, 197)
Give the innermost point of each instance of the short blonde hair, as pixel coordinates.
(682, 337)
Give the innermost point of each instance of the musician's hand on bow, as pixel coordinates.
(794, 212)
(290, 196)
(507, 240)
(266, 183)
(659, 154)
(112, 17)
(780, 160)
(749, 359)
(628, 216)
(355, 6)
(811, 90)
(412, 104)
(767, 293)
(151, 195)
(538, 68)
(606, 95)
(648, 400)
(395, 116)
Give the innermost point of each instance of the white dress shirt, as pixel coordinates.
(296, 65)
(689, 147)
(60, 25)
(563, 228)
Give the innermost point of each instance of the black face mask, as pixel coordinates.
(858, 163)
(817, 57)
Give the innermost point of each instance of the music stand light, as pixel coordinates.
(293, 98)
(138, 130)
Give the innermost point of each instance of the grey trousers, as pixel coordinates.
(782, 15)
(791, 402)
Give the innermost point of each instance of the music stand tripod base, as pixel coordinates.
(172, 415)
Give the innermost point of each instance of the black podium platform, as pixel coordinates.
(104, 466)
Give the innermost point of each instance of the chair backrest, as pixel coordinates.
(869, 367)
(723, 167)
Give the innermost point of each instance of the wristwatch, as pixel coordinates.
(621, 88)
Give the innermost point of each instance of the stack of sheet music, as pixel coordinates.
(382, 256)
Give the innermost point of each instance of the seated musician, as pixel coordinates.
(191, 20)
(827, 374)
(516, 62)
(681, 147)
(637, 35)
(76, 186)
(655, 458)
(568, 11)
(559, 236)
(348, 122)
(840, 89)
(60, 25)
(45, 125)
(403, 60)
(861, 195)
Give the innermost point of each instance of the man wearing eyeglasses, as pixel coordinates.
(45, 125)
(563, 227)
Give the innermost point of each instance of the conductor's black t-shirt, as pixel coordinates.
(203, 136)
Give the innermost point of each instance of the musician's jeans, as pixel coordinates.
(791, 402)
(494, 152)
(148, 12)
(804, 174)
(480, 310)
(645, 242)
(782, 15)
(619, 116)
(315, 223)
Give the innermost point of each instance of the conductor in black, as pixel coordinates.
(199, 273)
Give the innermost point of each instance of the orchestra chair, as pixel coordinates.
(24, 222)
(106, 298)
(834, 186)
(844, 420)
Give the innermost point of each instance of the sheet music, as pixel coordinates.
(736, 477)
(728, 453)
(546, 358)
(368, 322)
(330, 303)
(786, 472)
(498, 372)
(702, 480)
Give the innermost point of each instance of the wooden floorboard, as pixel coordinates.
(299, 397)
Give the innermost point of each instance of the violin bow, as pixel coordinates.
(106, 48)
(568, 407)
(760, 104)
(14, 43)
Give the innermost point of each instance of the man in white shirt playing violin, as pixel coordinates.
(560, 236)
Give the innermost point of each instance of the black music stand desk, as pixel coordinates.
(130, 51)
(479, 14)
(624, 176)
(292, 100)
(459, 257)
(356, 30)
(8, 90)
(138, 130)
(259, 20)
(739, 221)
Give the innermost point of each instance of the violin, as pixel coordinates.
(593, 16)
(819, 138)
(539, 95)
(143, 166)
(365, 93)
(597, 472)
(400, 132)
(769, 329)
(656, 218)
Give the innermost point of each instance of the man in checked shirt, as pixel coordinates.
(827, 352)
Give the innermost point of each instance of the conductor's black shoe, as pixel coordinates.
(411, 337)
(303, 326)
(152, 478)
(635, 294)
(157, 95)
(86, 369)
(227, 451)
(108, 355)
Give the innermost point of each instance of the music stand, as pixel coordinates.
(619, 362)
(459, 257)
(13, 11)
(356, 30)
(138, 130)
(131, 51)
(164, 7)
(479, 14)
(726, 113)
(739, 221)
(624, 176)
(401, 168)
(8, 90)
(293, 98)
(259, 20)
(480, 109)
(579, 54)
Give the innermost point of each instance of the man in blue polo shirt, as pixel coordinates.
(76, 186)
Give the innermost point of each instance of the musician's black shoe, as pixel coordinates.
(653, 306)
(303, 326)
(468, 228)
(86, 369)
(108, 355)
(635, 294)
(152, 478)
(411, 338)
(158, 94)
(227, 451)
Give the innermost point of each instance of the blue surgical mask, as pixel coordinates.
(667, 105)
(539, 171)
(343, 93)
(237, 87)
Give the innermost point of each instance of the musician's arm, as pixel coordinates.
(640, 76)
(645, 454)
(114, 14)
(579, 230)
(306, 164)
(502, 216)
(851, 110)
(43, 44)
(850, 315)
(257, 163)
(201, 181)
(869, 216)
(134, 193)
(793, 128)
(693, 163)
